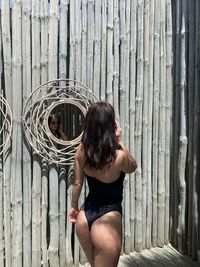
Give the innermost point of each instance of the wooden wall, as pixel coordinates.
(143, 57)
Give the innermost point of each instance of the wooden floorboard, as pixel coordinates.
(157, 257)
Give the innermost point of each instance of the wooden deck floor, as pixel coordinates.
(157, 257)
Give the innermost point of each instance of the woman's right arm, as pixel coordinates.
(127, 162)
(77, 186)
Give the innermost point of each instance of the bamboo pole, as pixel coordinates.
(90, 44)
(63, 218)
(127, 228)
(176, 119)
(44, 213)
(155, 122)
(53, 40)
(6, 45)
(103, 50)
(122, 64)
(72, 41)
(44, 39)
(145, 124)
(191, 94)
(36, 183)
(69, 258)
(138, 127)
(133, 30)
(1, 211)
(2, 248)
(27, 174)
(84, 43)
(53, 171)
(116, 58)
(109, 65)
(149, 128)
(16, 171)
(195, 178)
(44, 172)
(53, 216)
(191, 82)
(97, 47)
(78, 40)
(161, 137)
(63, 38)
(169, 86)
(122, 89)
(182, 139)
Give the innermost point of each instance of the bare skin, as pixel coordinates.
(102, 244)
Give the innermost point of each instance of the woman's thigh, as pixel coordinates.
(106, 233)
(83, 235)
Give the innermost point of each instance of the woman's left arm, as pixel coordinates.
(77, 186)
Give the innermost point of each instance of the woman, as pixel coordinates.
(55, 127)
(104, 160)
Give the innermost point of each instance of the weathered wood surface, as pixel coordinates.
(157, 257)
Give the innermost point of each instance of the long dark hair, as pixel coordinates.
(50, 118)
(99, 135)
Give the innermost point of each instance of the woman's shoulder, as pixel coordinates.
(80, 154)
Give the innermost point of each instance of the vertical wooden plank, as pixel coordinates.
(145, 123)
(127, 127)
(182, 153)
(53, 216)
(90, 44)
(138, 127)
(53, 40)
(168, 95)
(84, 43)
(27, 174)
(44, 172)
(69, 258)
(72, 40)
(149, 128)
(97, 47)
(161, 130)
(78, 40)
(116, 57)
(176, 118)
(6, 45)
(53, 170)
(36, 160)
(196, 160)
(63, 38)
(63, 217)
(155, 120)
(109, 65)
(191, 95)
(44, 39)
(103, 50)
(133, 47)
(16, 171)
(2, 247)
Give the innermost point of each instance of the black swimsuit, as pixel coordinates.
(103, 198)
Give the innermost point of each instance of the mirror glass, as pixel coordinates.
(66, 121)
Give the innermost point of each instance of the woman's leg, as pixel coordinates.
(106, 236)
(83, 234)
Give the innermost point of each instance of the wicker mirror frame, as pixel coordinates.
(36, 112)
(5, 123)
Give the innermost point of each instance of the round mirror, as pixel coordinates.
(64, 121)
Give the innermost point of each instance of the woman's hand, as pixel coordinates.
(118, 131)
(73, 215)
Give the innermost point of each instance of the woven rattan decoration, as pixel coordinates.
(5, 123)
(69, 100)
